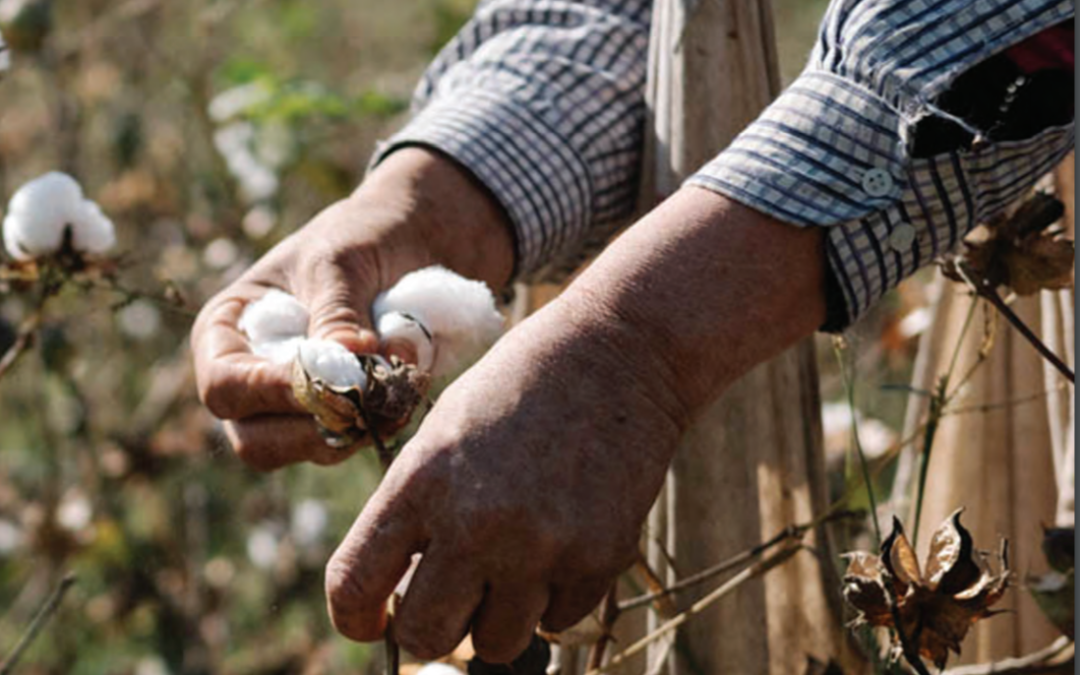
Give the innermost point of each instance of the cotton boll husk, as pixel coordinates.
(274, 317)
(459, 314)
(399, 326)
(332, 363)
(92, 231)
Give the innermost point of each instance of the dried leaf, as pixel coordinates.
(950, 567)
(899, 558)
(864, 589)
(1021, 251)
(1041, 263)
(1054, 592)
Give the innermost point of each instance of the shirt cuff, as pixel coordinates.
(826, 153)
(537, 177)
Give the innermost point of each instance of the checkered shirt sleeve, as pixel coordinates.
(542, 100)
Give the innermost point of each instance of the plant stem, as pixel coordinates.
(938, 401)
(748, 574)
(992, 296)
(849, 389)
(52, 603)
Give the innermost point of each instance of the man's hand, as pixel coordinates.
(415, 210)
(527, 484)
(524, 489)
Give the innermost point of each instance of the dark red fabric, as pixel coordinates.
(1052, 49)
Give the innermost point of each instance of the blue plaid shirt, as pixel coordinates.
(543, 100)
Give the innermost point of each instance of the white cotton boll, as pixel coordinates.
(92, 231)
(459, 314)
(400, 326)
(332, 363)
(278, 351)
(38, 213)
(438, 669)
(275, 316)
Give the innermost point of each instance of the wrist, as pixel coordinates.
(700, 291)
(438, 214)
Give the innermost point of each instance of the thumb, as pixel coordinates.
(341, 313)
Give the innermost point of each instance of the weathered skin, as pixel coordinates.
(526, 485)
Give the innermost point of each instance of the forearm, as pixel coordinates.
(698, 292)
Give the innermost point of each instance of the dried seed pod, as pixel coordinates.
(351, 395)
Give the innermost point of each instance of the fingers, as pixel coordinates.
(269, 442)
(507, 619)
(339, 308)
(368, 564)
(571, 602)
(233, 382)
(434, 616)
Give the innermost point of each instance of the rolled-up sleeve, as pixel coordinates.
(836, 149)
(542, 101)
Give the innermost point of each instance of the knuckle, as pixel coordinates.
(426, 645)
(218, 399)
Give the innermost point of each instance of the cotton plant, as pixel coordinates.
(55, 237)
(444, 319)
(50, 216)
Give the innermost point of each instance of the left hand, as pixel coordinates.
(525, 490)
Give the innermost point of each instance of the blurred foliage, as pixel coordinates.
(188, 562)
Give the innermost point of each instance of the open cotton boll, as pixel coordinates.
(43, 209)
(395, 326)
(92, 231)
(438, 669)
(275, 325)
(275, 316)
(458, 313)
(332, 363)
(38, 213)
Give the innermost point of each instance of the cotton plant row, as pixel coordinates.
(443, 320)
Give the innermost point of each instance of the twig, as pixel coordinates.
(938, 402)
(1042, 661)
(988, 292)
(792, 533)
(748, 574)
(849, 388)
(609, 612)
(393, 651)
(52, 603)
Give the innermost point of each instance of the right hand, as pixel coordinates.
(335, 266)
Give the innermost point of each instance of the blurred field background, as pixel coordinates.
(209, 130)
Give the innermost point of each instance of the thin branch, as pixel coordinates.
(792, 533)
(52, 603)
(992, 296)
(748, 574)
(1043, 661)
(609, 612)
(1002, 405)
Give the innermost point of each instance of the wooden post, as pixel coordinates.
(753, 464)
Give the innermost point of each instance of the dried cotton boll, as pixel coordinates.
(458, 313)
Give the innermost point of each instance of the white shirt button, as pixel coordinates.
(902, 237)
(877, 182)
